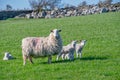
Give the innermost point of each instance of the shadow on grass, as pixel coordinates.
(92, 58)
(13, 58)
(59, 61)
(84, 58)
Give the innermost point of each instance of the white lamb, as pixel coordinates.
(68, 51)
(79, 48)
(7, 56)
(42, 46)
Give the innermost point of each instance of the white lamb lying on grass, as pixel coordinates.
(7, 56)
(79, 48)
(67, 52)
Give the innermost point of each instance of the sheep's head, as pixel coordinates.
(7, 54)
(82, 42)
(55, 33)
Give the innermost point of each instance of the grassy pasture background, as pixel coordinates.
(101, 54)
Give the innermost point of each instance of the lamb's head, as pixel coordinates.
(55, 33)
(7, 54)
(82, 42)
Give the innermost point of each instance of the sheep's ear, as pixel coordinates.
(51, 31)
(80, 40)
(76, 40)
(59, 30)
(71, 40)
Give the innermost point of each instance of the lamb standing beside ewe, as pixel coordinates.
(68, 51)
(79, 48)
(41, 46)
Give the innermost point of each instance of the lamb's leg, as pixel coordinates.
(24, 59)
(30, 59)
(67, 56)
(80, 54)
(49, 59)
(73, 56)
(77, 54)
(58, 56)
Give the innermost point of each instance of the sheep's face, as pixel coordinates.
(56, 33)
(6, 54)
(83, 42)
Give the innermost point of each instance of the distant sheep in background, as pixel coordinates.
(79, 48)
(7, 56)
(68, 51)
(41, 46)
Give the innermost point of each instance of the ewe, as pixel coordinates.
(41, 46)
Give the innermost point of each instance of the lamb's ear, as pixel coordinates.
(51, 31)
(80, 40)
(76, 40)
(71, 40)
(59, 30)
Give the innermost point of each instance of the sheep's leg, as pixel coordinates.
(80, 55)
(63, 56)
(49, 59)
(67, 56)
(30, 59)
(77, 54)
(24, 59)
(58, 56)
(73, 56)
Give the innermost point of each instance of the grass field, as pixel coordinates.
(101, 54)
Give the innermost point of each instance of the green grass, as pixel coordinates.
(101, 54)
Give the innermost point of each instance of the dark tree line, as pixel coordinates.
(8, 7)
(44, 4)
(105, 3)
(39, 5)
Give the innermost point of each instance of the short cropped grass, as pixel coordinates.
(101, 54)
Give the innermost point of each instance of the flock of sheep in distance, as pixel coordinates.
(34, 47)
